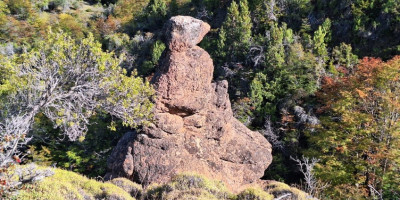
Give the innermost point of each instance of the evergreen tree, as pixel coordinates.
(235, 33)
(290, 72)
(152, 16)
(276, 52)
(342, 55)
(320, 39)
(149, 65)
(221, 49)
(245, 25)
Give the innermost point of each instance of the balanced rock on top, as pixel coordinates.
(194, 129)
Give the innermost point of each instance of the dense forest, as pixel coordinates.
(320, 79)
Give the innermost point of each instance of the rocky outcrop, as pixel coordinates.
(194, 128)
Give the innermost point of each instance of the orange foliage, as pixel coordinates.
(361, 81)
(108, 26)
(361, 93)
(19, 30)
(361, 127)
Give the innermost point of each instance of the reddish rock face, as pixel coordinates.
(194, 128)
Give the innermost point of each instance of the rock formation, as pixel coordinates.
(194, 128)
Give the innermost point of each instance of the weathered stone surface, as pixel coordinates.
(183, 33)
(194, 128)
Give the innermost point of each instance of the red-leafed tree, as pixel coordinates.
(360, 132)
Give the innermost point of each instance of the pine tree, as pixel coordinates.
(276, 52)
(153, 15)
(245, 25)
(289, 71)
(221, 49)
(235, 33)
(231, 27)
(321, 38)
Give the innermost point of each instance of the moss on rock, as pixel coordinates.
(279, 189)
(255, 193)
(132, 188)
(189, 186)
(69, 185)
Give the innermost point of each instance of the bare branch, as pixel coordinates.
(306, 166)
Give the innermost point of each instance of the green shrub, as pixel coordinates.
(278, 189)
(343, 56)
(189, 186)
(148, 66)
(254, 194)
(69, 185)
(132, 188)
(22, 9)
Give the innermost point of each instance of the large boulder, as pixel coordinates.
(194, 128)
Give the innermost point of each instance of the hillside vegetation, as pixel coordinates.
(69, 185)
(319, 79)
